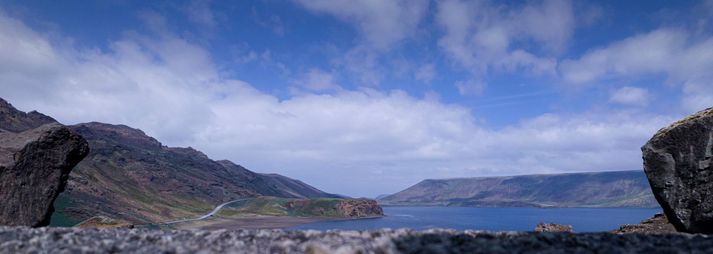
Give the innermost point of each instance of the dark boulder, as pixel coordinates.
(36, 156)
(677, 161)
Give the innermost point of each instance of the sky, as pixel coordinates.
(366, 97)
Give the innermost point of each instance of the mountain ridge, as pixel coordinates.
(510, 176)
(131, 176)
(589, 189)
(14, 120)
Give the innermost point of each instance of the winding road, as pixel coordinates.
(208, 215)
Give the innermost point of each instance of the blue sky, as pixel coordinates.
(369, 97)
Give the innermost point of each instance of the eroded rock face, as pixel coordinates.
(359, 208)
(36, 156)
(677, 161)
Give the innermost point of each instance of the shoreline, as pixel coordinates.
(258, 222)
(539, 207)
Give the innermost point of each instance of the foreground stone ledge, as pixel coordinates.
(75, 240)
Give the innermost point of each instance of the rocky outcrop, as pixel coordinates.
(654, 225)
(36, 156)
(359, 208)
(677, 161)
(332, 207)
(553, 227)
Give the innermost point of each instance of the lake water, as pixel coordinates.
(494, 219)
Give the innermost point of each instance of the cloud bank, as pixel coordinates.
(360, 142)
(685, 61)
(481, 37)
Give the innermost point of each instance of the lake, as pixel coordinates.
(494, 219)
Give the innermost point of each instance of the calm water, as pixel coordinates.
(496, 219)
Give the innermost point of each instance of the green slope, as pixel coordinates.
(133, 177)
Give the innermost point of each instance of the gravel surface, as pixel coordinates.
(74, 240)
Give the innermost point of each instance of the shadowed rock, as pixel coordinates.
(677, 161)
(78, 240)
(36, 156)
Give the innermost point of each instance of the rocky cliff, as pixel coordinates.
(37, 155)
(359, 208)
(677, 161)
(133, 177)
(343, 208)
(605, 189)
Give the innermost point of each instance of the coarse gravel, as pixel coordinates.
(141, 240)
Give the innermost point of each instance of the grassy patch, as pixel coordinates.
(272, 206)
(316, 208)
(60, 219)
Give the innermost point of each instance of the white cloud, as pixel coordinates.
(363, 63)
(362, 142)
(425, 73)
(630, 96)
(646, 53)
(480, 36)
(684, 60)
(381, 23)
(551, 22)
(470, 86)
(318, 80)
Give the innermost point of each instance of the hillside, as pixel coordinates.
(319, 207)
(14, 120)
(131, 176)
(604, 189)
